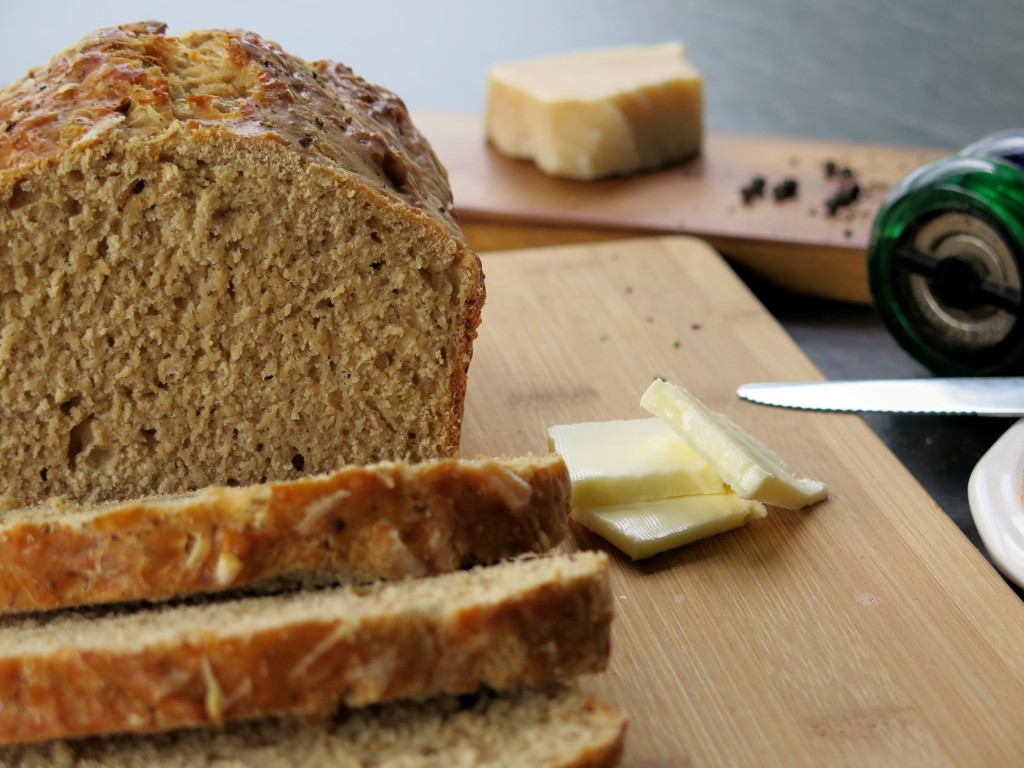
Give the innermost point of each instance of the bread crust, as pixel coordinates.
(540, 621)
(387, 520)
(123, 79)
(557, 728)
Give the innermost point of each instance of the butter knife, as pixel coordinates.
(994, 396)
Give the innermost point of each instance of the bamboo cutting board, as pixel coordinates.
(866, 631)
(505, 203)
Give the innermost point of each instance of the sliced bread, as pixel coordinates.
(359, 523)
(556, 728)
(220, 263)
(528, 622)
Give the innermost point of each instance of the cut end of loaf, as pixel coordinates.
(194, 293)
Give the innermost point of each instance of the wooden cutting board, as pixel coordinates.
(866, 631)
(506, 203)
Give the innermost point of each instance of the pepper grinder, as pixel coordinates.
(946, 260)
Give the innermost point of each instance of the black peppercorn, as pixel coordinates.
(847, 193)
(786, 189)
(754, 188)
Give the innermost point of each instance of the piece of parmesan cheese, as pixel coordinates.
(597, 113)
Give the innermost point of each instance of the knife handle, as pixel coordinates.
(946, 260)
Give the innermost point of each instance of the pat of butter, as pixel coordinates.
(749, 468)
(645, 528)
(613, 462)
(597, 113)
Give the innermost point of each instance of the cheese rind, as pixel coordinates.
(645, 528)
(597, 113)
(750, 468)
(614, 462)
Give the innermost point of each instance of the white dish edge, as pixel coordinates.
(994, 493)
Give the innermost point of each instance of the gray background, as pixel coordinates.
(930, 72)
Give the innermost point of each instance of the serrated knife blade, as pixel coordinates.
(994, 396)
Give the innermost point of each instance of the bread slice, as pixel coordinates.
(556, 728)
(525, 622)
(220, 264)
(356, 524)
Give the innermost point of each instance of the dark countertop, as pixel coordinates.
(847, 341)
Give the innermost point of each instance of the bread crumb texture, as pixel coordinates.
(528, 622)
(220, 264)
(541, 729)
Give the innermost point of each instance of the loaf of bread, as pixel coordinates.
(220, 264)
(358, 523)
(527, 622)
(557, 728)
(236, 319)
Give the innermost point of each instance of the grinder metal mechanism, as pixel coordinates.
(946, 260)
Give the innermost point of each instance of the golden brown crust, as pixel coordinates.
(476, 294)
(435, 640)
(387, 520)
(130, 77)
